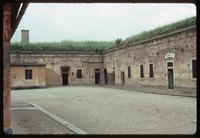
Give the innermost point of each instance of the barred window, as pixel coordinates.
(194, 73)
(170, 64)
(129, 72)
(151, 73)
(141, 71)
(28, 74)
(79, 73)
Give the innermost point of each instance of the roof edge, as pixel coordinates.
(52, 52)
(27, 64)
(150, 39)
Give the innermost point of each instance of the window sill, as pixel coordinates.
(152, 78)
(194, 79)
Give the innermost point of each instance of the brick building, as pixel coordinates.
(166, 61)
(62, 68)
(29, 75)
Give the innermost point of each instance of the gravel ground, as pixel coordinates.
(98, 110)
(35, 122)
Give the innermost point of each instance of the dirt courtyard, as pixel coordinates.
(99, 110)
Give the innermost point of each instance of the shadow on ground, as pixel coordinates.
(26, 119)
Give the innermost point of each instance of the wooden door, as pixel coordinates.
(170, 79)
(105, 76)
(65, 79)
(97, 76)
(122, 78)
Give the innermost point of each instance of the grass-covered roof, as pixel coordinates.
(79, 46)
(99, 46)
(161, 30)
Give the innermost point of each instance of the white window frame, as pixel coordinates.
(167, 61)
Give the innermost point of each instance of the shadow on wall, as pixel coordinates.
(52, 78)
(111, 78)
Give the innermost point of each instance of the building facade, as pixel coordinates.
(28, 75)
(63, 68)
(167, 61)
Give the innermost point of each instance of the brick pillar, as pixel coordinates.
(6, 68)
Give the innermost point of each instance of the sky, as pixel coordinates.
(55, 22)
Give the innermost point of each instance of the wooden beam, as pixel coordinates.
(14, 11)
(6, 67)
(109, 1)
(19, 17)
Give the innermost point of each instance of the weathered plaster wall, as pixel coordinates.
(182, 43)
(18, 76)
(87, 61)
(115, 60)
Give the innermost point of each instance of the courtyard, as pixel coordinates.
(101, 110)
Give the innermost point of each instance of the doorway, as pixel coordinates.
(113, 77)
(105, 76)
(170, 79)
(65, 75)
(122, 78)
(65, 80)
(97, 76)
(170, 73)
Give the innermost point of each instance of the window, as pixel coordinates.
(194, 73)
(141, 71)
(170, 64)
(129, 72)
(151, 75)
(28, 74)
(79, 73)
(97, 70)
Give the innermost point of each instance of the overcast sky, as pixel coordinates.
(57, 22)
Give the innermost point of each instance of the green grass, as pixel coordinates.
(99, 46)
(161, 30)
(81, 46)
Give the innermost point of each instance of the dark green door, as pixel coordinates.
(64, 78)
(170, 79)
